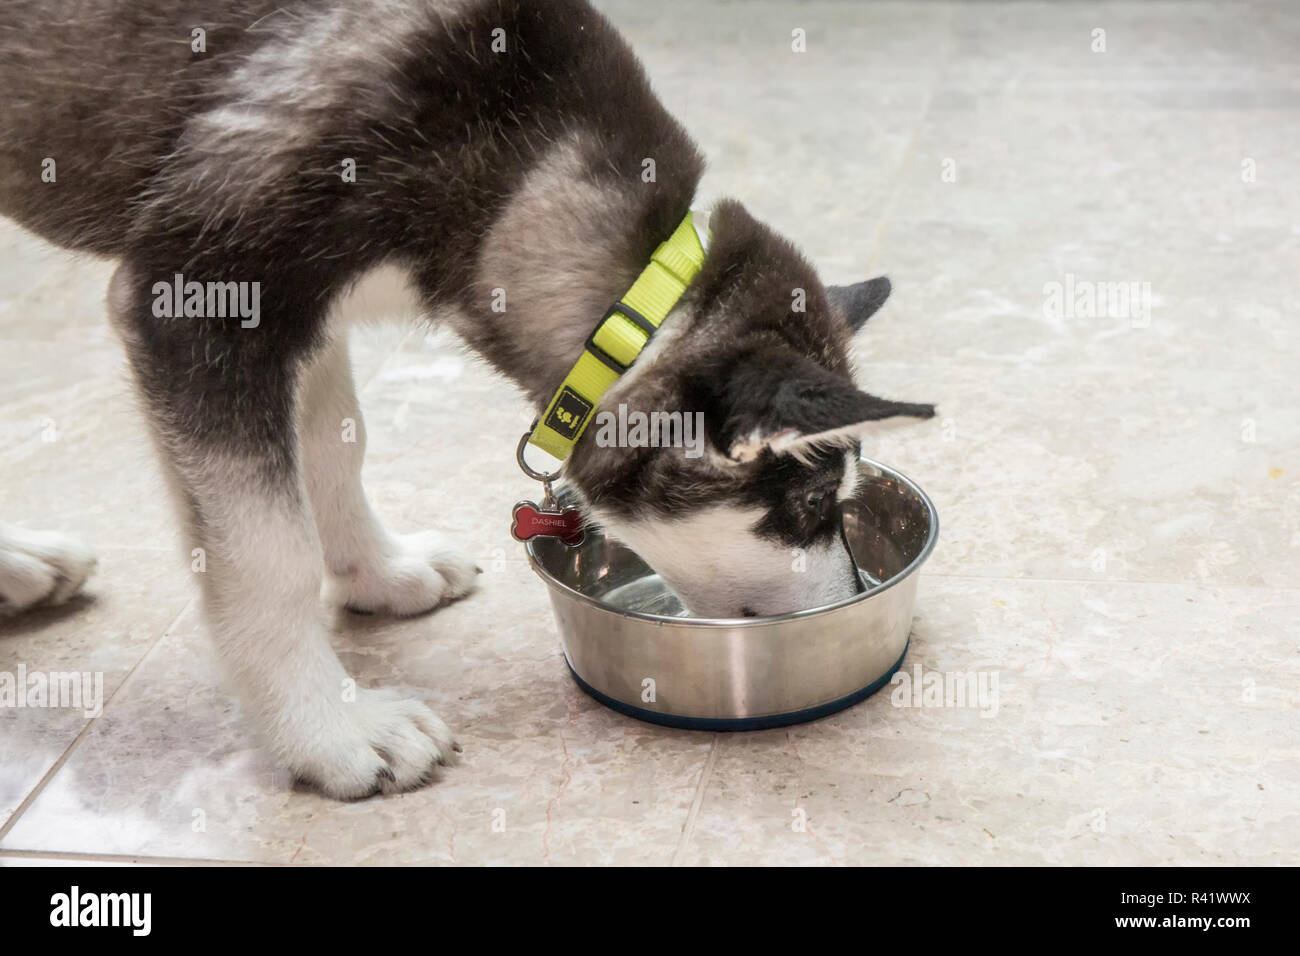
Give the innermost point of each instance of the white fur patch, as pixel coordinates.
(849, 483)
(720, 568)
(368, 568)
(556, 256)
(789, 441)
(313, 63)
(40, 567)
(261, 584)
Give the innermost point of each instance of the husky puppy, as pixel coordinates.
(305, 159)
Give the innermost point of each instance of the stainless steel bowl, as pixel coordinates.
(630, 645)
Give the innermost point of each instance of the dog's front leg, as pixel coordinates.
(367, 567)
(223, 415)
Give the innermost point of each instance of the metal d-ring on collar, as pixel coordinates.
(545, 477)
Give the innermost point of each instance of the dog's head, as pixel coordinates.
(741, 518)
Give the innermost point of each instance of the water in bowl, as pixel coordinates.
(646, 595)
(650, 594)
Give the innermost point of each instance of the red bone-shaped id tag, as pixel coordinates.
(530, 521)
(550, 520)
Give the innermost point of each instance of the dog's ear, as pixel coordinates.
(778, 400)
(860, 301)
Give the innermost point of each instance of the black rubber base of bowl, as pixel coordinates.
(740, 723)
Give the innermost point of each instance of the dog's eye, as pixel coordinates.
(818, 503)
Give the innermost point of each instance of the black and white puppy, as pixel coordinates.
(496, 145)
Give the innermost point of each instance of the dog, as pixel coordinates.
(318, 156)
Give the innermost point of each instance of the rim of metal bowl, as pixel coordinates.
(752, 622)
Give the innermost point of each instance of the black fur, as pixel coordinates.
(444, 138)
(860, 301)
(773, 388)
(750, 362)
(443, 134)
(478, 171)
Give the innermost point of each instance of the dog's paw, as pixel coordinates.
(386, 744)
(40, 567)
(415, 574)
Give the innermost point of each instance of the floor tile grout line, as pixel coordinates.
(882, 224)
(63, 758)
(1127, 582)
(1016, 363)
(688, 829)
(73, 856)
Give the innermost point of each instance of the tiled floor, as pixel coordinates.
(1120, 494)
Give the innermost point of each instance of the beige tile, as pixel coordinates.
(77, 458)
(132, 598)
(1120, 501)
(986, 294)
(49, 294)
(25, 859)
(1136, 724)
(1042, 53)
(441, 449)
(1176, 172)
(1094, 475)
(820, 158)
(563, 779)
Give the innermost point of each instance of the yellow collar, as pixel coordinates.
(618, 339)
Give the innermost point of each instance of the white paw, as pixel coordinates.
(40, 567)
(381, 742)
(416, 573)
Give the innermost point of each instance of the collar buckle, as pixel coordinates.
(620, 308)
